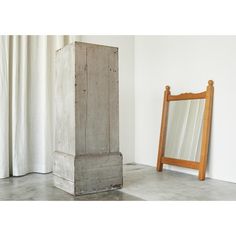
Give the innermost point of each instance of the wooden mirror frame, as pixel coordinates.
(201, 166)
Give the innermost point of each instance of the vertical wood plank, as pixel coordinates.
(65, 99)
(206, 130)
(113, 100)
(162, 138)
(97, 125)
(81, 94)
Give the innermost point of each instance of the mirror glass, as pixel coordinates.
(184, 129)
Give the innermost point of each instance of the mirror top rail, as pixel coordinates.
(186, 96)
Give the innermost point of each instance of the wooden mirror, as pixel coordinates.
(185, 130)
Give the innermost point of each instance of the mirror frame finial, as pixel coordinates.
(167, 88)
(210, 82)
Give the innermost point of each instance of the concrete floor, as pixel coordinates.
(140, 183)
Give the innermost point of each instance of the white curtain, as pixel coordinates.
(27, 66)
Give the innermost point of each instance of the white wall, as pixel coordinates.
(126, 87)
(186, 64)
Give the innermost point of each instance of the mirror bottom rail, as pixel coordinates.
(181, 163)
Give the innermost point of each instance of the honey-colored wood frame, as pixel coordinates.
(201, 166)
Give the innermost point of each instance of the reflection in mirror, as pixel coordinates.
(184, 129)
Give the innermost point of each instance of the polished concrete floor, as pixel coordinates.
(140, 183)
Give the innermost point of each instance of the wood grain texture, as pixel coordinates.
(97, 99)
(98, 173)
(64, 100)
(206, 130)
(187, 96)
(87, 157)
(201, 166)
(81, 96)
(97, 124)
(179, 162)
(64, 165)
(162, 138)
(113, 71)
(64, 184)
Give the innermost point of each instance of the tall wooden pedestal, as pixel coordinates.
(87, 157)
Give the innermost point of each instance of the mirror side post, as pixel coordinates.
(206, 130)
(162, 138)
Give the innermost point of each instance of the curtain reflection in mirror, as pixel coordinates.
(184, 129)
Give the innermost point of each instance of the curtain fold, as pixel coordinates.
(4, 108)
(27, 66)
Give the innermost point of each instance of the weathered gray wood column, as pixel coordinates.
(87, 157)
